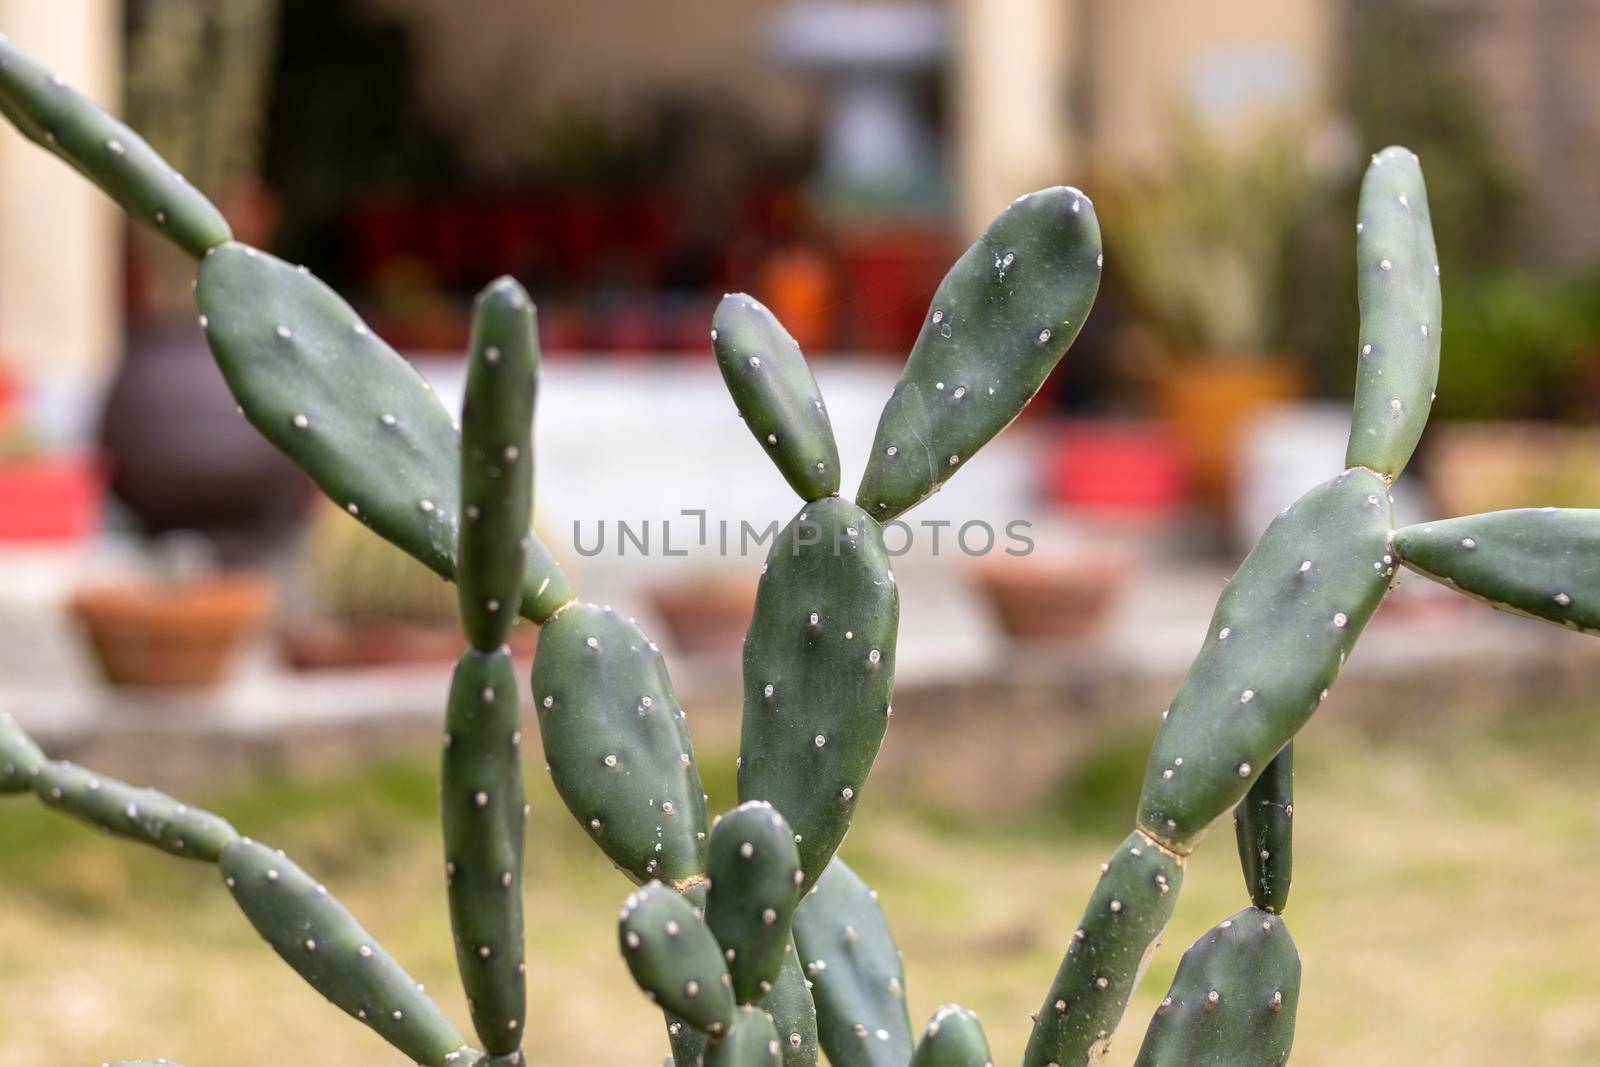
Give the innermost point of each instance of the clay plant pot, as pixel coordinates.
(171, 636)
(1052, 600)
(706, 616)
(318, 646)
(1207, 402)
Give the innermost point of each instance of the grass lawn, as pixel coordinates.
(1443, 906)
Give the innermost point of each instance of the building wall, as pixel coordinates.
(1537, 65)
(60, 238)
(1142, 59)
(499, 68)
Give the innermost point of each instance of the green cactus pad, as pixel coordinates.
(776, 394)
(142, 815)
(793, 1011)
(953, 1038)
(1276, 643)
(1264, 825)
(316, 382)
(751, 1042)
(857, 979)
(675, 959)
(753, 869)
(688, 1044)
(1397, 282)
(497, 462)
(322, 941)
(1106, 955)
(482, 805)
(1233, 1001)
(617, 745)
(1000, 322)
(1540, 562)
(19, 757)
(55, 116)
(819, 673)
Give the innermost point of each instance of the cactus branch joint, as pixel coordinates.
(758, 943)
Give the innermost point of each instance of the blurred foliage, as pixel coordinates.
(345, 120)
(1408, 85)
(1521, 346)
(1097, 793)
(198, 77)
(1202, 247)
(358, 577)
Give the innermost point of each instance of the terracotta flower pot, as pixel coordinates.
(341, 646)
(173, 636)
(1057, 600)
(706, 616)
(1207, 403)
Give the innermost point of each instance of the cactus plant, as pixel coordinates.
(758, 943)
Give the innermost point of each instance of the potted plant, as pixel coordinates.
(370, 604)
(46, 496)
(1201, 251)
(708, 613)
(177, 627)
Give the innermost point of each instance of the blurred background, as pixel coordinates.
(180, 608)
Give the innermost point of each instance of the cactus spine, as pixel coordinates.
(748, 973)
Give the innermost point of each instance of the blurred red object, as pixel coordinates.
(891, 274)
(1114, 469)
(50, 499)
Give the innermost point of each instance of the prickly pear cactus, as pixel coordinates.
(953, 1038)
(819, 674)
(314, 934)
(55, 116)
(1234, 999)
(999, 323)
(1264, 825)
(762, 948)
(136, 814)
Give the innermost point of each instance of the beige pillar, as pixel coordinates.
(60, 238)
(1011, 80)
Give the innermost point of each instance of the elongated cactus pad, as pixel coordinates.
(19, 757)
(675, 959)
(1540, 562)
(1106, 956)
(819, 673)
(142, 815)
(482, 804)
(1397, 282)
(1000, 322)
(1276, 643)
(776, 394)
(322, 941)
(793, 1010)
(617, 746)
(341, 404)
(55, 116)
(1233, 1001)
(751, 1042)
(753, 869)
(953, 1038)
(497, 462)
(1264, 825)
(856, 975)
